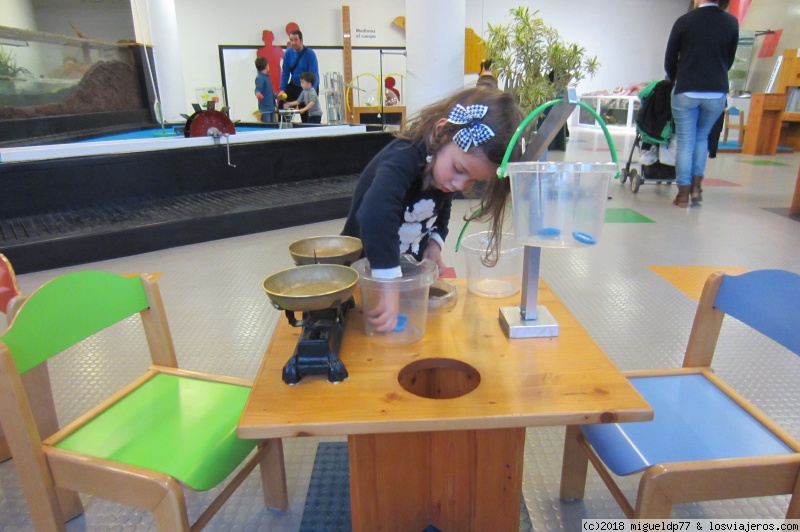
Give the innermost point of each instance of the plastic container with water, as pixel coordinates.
(559, 204)
(412, 290)
(501, 280)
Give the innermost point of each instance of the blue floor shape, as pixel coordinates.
(327, 506)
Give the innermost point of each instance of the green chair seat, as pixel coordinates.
(171, 424)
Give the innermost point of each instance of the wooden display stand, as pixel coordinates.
(795, 208)
(764, 127)
(770, 125)
(790, 79)
(395, 115)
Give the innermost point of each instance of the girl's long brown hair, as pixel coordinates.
(503, 117)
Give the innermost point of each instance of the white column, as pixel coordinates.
(156, 23)
(435, 48)
(18, 14)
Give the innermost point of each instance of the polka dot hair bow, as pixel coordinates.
(474, 131)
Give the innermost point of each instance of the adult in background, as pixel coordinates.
(297, 59)
(700, 51)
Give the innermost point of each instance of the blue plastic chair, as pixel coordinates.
(706, 441)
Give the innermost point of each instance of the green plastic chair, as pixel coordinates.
(166, 430)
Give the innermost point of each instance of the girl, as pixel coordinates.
(402, 201)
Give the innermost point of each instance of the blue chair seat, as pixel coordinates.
(694, 420)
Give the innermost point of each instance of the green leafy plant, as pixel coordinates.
(526, 53)
(737, 73)
(9, 67)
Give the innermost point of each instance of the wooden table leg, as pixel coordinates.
(795, 208)
(453, 480)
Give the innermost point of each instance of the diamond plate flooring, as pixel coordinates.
(618, 290)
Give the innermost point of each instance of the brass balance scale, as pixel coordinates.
(321, 287)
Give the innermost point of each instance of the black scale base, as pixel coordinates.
(317, 351)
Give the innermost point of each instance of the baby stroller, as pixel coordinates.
(654, 138)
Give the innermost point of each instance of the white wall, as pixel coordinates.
(627, 36)
(18, 14)
(203, 25)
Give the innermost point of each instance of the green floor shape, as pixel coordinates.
(626, 216)
(761, 163)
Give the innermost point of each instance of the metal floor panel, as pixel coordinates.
(221, 322)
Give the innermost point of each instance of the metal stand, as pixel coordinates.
(285, 117)
(334, 101)
(529, 320)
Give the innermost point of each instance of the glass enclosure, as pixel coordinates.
(618, 111)
(740, 71)
(44, 76)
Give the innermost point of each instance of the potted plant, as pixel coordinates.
(531, 60)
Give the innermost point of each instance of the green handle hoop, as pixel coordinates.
(501, 170)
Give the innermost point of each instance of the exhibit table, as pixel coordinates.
(393, 115)
(436, 429)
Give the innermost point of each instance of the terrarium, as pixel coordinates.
(51, 85)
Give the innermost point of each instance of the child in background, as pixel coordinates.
(403, 198)
(308, 99)
(264, 93)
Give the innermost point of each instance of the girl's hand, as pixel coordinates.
(383, 311)
(434, 252)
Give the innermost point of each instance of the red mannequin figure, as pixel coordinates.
(273, 54)
(390, 94)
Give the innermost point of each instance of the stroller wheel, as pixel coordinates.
(635, 181)
(623, 176)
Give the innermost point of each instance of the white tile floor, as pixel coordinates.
(222, 321)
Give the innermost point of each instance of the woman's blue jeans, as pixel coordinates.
(694, 118)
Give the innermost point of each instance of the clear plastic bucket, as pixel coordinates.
(559, 204)
(504, 278)
(412, 289)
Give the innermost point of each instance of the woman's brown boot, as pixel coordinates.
(697, 191)
(682, 199)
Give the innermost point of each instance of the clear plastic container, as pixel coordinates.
(559, 204)
(412, 289)
(504, 278)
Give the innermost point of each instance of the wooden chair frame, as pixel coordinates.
(740, 125)
(36, 379)
(51, 478)
(664, 485)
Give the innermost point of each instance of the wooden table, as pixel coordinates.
(454, 463)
